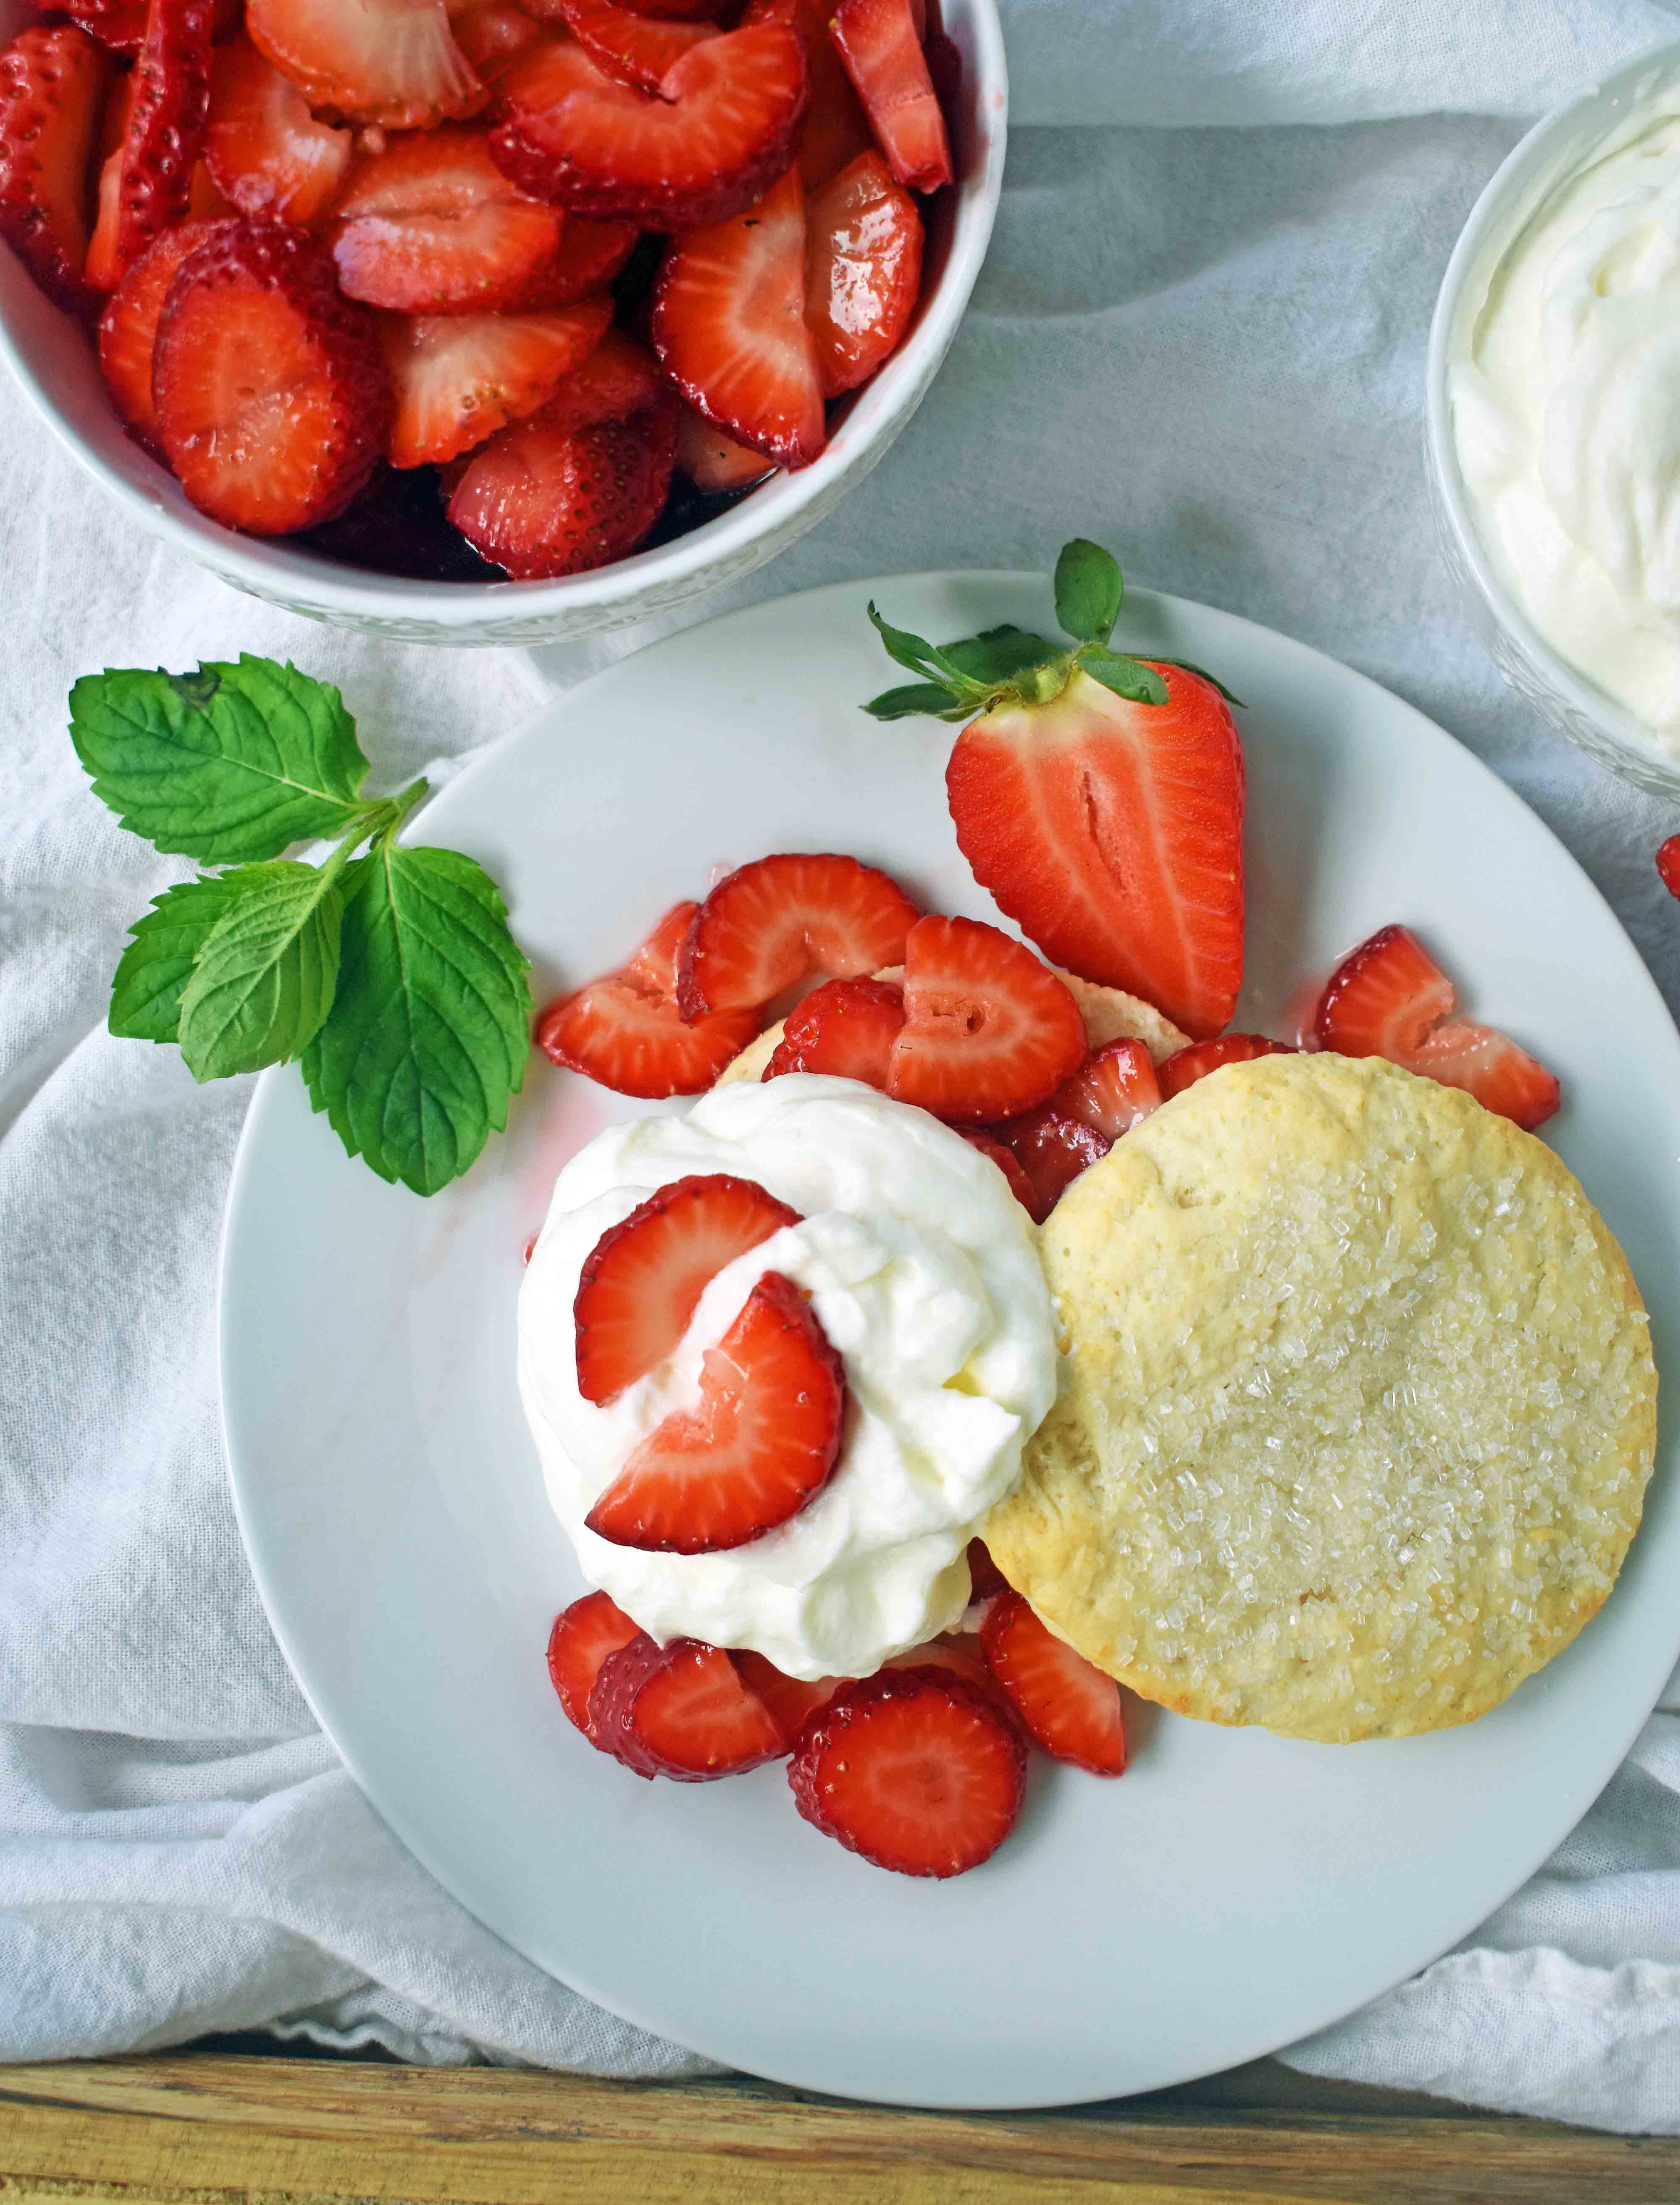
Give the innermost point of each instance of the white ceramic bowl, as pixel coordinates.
(1566, 697)
(51, 356)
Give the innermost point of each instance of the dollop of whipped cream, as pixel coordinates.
(1564, 378)
(923, 1271)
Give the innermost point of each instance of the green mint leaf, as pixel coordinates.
(429, 1032)
(1126, 677)
(158, 961)
(264, 979)
(230, 764)
(1089, 591)
(1190, 667)
(915, 697)
(1000, 654)
(921, 657)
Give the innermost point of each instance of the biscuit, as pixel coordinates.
(1359, 1407)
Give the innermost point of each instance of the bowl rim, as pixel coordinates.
(1505, 201)
(280, 572)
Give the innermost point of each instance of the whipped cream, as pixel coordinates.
(1564, 379)
(923, 1271)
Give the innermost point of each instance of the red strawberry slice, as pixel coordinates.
(790, 1700)
(583, 1637)
(985, 1577)
(638, 49)
(52, 86)
(913, 1768)
(588, 256)
(1071, 1708)
(770, 925)
(1112, 832)
(988, 1031)
(618, 379)
(268, 153)
(167, 125)
(623, 1030)
(542, 500)
(1114, 1088)
(118, 24)
(105, 268)
(1384, 997)
(389, 61)
(129, 326)
(1668, 864)
(1490, 1066)
(729, 328)
(1186, 1065)
(682, 1711)
(457, 378)
(845, 1028)
(492, 37)
(878, 43)
(431, 226)
(862, 270)
(1006, 1162)
(713, 462)
(835, 129)
(1052, 1150)
(720, 130)
(761, 1442)
(643, 1281)
(272, 399)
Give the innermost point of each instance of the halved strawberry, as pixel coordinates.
(618, 379)
(53, 81)
(835, 129)
(583, 1637)
(1384, 997)
(129, 326)
(790, 1700)
(862, 270)
(845, 1028)
(492, 37)
(989, 1033)
(1052, 1150)
(985, 1577)
(770, 925)
(267, 153)
(1006, 1162)
(761, 1442)
(713, 461)
(389, 61)
(878, 43)
(457, 378)
(729, 328)
(167, 124)
(1668, 864)
(1490, 1066)
(635, 49)
(1071, 1709)
(588, 256)
(1186, 1065)
(623, 1030)
(914, 1769)
(1114, 1088)
(431, 226)
(642, 1279)
(683, 1711)
(271, 395)
(721, 129)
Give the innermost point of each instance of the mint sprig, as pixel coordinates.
(392, 975)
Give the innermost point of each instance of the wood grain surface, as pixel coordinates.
(190, 2129)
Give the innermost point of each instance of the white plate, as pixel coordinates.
(1233, 1891)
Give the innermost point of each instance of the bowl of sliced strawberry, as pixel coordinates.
(488, 321)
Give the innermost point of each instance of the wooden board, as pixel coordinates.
(304, 2131)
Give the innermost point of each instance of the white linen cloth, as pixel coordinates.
(1201, 344)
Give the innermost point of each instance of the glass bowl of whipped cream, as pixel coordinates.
(1553, 419)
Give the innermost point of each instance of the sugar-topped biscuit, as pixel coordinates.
(1359, 1407)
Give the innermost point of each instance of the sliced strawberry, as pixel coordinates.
(878, 43)
(641, 1281)
(862, 270)
(1490, 1066)
(129, 326)
(492, 37)
(845, 1028)
(166, 125)
(761, 1442)
(541, 500)
(104, 267)
(1112, 832)
(53, 83)
(390, 62)
(721, 130)
(682, 1710)
(583, 1637)
(588, 256)
(1006, 1162)
(431, 226)
(617, 379)
(1668, 864)
(1384, 997)
(638, 49)
(914, 1769)
(790, 1700)
(272, 398)
(457, 378)
(118, 24)
(729, 328)
(770, 925)
(1071, 1708)
(959, 1652)
(623, 1030)
(1186, 1065)
(835, 129)
(989, 1031)
(713, 462)
(1114, 1088)
(267, 153)
(1052, 1150)
(985, 1577)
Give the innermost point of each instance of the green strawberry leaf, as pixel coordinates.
(1190, 667)
(429, 1032)
(999, 653)
(230, 764)
(1089, 590)
(162, 948)
(919, 657)
(264, 979)
(1126, 677)
(915, 697)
